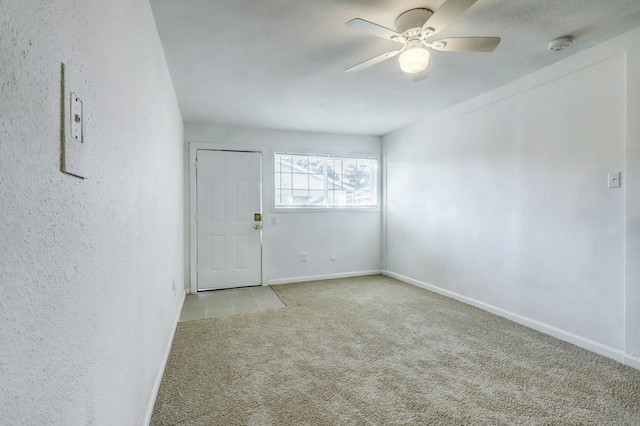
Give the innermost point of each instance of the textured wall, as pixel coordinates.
(514, 209)
(354, 236)
(86, 266)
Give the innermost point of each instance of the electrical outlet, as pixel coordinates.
(304, 257)
(332, 255)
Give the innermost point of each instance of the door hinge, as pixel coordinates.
(196, 217)
(196, 164)
(197, 269)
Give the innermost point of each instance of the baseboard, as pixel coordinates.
(582, 342)
(156, 385)
(632, 361)
(322, 277)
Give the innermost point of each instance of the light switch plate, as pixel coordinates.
(76, 118)
(74, 149)
(614, 180)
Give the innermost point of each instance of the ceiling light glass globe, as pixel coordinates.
(414, 60)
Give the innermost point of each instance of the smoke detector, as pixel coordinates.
(560, 43)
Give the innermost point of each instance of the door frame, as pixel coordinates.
(193, 204)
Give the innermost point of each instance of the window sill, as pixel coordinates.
(325, 209)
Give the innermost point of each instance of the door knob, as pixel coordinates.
(257, 226)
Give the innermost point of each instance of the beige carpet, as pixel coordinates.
(375, 351)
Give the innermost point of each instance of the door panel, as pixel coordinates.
(228, 195)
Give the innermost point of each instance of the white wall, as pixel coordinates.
(87, 310)
(632, 200)
(503, 202)
(354, 236)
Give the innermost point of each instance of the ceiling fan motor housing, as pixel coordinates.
(411, 19)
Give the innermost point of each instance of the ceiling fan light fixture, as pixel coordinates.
(414, 60)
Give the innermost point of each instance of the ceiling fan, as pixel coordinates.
(413, 29)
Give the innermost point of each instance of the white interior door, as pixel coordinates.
(228, 186)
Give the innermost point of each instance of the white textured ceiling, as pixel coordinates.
(280, 63)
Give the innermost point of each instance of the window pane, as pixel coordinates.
(359, 180)
(324, 181)
(302, 177)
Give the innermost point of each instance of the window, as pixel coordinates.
(303, 180)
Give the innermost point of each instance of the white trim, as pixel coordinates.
(582, 342)
(193, 240)
(631, 361)
(322, 277)
(383, 205)
(305, 209)
(156, 385)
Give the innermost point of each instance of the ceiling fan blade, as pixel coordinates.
(445, 15)
(466, 44)
(419, 76)
(373, 61)
(375, 29)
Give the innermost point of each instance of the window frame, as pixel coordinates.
(328, 208)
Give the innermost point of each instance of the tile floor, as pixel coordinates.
(220, 303)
